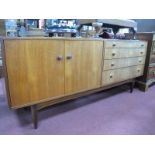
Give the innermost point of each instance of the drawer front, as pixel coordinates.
(118, 75)
(126, 62)
(154, 37)
(153, 47)
(124, 53)
(124, 44)
(153, 44)
(151, 73)
(152, 58)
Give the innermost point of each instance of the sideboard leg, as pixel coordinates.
(34, 116)
(146, 88)
(132, 84)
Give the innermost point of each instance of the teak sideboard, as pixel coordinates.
(44, 71)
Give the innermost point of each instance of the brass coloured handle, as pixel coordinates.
(60, 57)
(140, 60)
(138, 70)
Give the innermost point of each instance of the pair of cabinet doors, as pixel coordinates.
(39, 70)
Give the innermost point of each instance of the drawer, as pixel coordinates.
(124, 53)
(118, 75)
(152, 59)
(125, 62)
(153, 48)
(151, 73)
(154, 37)
(124, 44)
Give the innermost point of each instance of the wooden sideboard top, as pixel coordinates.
(64, 38)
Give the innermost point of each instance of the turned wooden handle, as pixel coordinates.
(68, 57)
(60, 57)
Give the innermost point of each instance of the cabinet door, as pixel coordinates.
(82, 65)
(35, 70)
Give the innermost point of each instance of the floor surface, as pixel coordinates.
(112, 112)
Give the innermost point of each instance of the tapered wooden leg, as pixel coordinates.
(146, 88)
(132, 84)
(34, 116)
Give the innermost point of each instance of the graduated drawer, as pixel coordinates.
(151, 73)
(124, 53)
(124, 44)
(125, 62)
(118, 75)
(153, 46)
(154, 37)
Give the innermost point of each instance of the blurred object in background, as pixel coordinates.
(106, 33)
(114, 24)
(22, 31)
(11, 27)
(61, 27)
(41, 23)
(34, 28)
(31, 24)
(121, 33)
(87, 31)
(2, 27)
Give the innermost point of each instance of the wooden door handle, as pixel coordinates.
(60, 57)
(69, 57)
